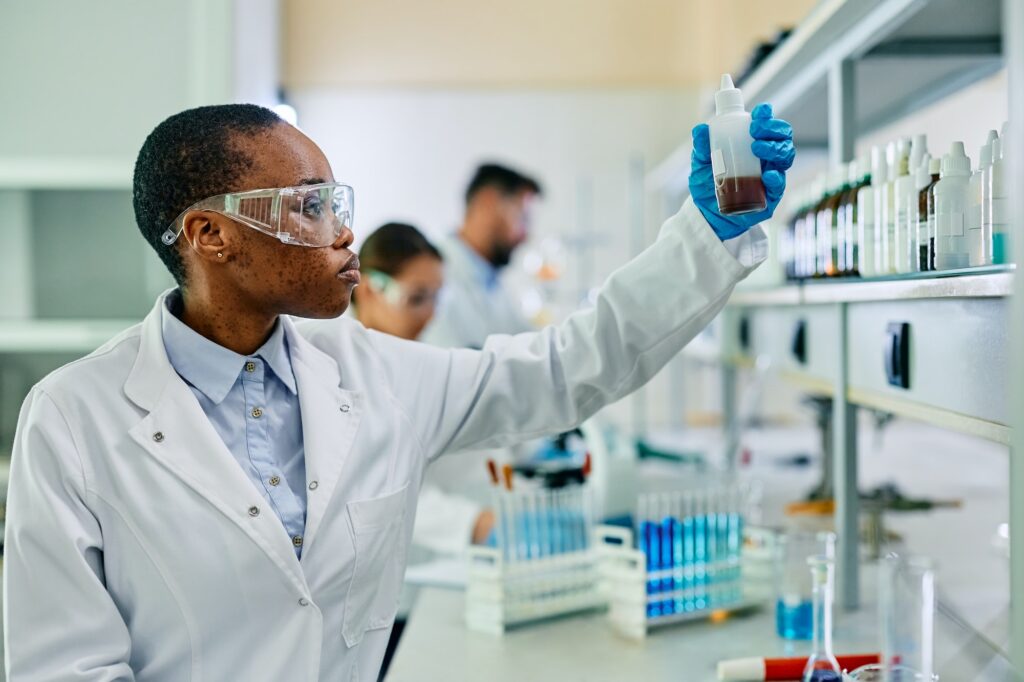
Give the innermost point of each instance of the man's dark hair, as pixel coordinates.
(187, 158)
(501, 178)
(393, 245)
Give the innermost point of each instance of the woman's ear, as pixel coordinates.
(211, 236)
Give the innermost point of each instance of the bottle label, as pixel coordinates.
(950, 224)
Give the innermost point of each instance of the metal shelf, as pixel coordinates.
(990, 282)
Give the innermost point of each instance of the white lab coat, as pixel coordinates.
(137, 548)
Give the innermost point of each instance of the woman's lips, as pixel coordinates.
(350, 273)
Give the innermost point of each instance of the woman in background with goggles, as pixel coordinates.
(402, 275)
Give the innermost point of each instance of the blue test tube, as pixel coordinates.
(677, 553)
(667, 539)
(689, 551)
(736, 543)
(700, 553)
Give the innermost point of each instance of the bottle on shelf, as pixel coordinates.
(822, 665)
(880, 183)
(899, 165)
(837, 181)
(796, 263)
(737, 171)
(934, 169)
(823, 229)
(951, 205)
(848, 219)
(979, 224)
(865, 219)
(1000, 209)
(923, 182)
(906, 208)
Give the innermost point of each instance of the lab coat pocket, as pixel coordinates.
(377, 527)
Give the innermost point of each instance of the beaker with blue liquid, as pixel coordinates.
(794, 605)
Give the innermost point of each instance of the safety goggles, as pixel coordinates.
(394, 293)
(305, 215)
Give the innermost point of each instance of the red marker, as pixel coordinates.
(763, 669)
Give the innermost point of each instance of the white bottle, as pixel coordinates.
(952, 198)
(906, 208)
(872, 244)
(899, 163)
(979, 224)
(865, 254)
(934, 169)
(737, 171)
(919, 214)
(1000, 206)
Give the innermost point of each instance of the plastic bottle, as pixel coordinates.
(924, 181)
(880, 183)
(899, 169)
(906, 208)
(979, 239)
(837, 184)
(865, 217)
(855, 181)
(934, 169)
(737, 171)
(951, 205)
(823, 228)
(1000, 207)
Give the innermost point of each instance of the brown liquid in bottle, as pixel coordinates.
(741, 195)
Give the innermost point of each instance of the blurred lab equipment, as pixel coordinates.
(822, 665)
(794, 604)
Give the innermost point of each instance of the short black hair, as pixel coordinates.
(391, 246)
(187, 158)
(507, 181)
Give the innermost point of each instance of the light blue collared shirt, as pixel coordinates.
(253, 405)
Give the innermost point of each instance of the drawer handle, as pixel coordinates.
(800, 342)
(897, 354)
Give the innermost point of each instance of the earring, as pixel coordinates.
(220, 255)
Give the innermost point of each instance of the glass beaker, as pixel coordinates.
(794, 604)
(907, 614)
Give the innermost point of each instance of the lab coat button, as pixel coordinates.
(303, 601)
(254, 511)
(257, 412)
(313, 485)
(275, 480)
(297, 541)
(250, 366)
(158, 437)
(345, 408)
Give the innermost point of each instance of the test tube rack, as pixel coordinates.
(544, 565)
(683, 562)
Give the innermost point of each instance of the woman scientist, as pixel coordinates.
(224, 493)
(402, 276)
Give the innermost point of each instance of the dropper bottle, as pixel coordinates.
(951, 202)
(737, 171)
(822, 665)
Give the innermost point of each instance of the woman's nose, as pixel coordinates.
(344, 239)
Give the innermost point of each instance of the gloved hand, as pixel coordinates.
(773, 144)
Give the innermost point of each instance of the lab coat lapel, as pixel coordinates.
(330, 420)
(179, 435)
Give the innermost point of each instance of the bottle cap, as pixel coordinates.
(996, 150)
(923, 177)
(985, 156)
(728, 97)
(956, 162)
(918, 148)
(935, 166)
(879, 168)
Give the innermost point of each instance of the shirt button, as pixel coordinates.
(345, 408)
(158, 437)
(275, 480)
(303, 601)
(297, 541)
(256, 412)
(250, 366)
(313, 485)
(254, 511)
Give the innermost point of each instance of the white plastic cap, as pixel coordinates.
(728, 97)
(741, 670)
(918, 148)
(923, 177)
(956, 162)
(935, 166)
(996, 150)
(985, 156)
(879, 168)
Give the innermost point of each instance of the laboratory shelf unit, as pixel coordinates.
(935, 347)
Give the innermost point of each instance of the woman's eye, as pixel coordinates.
(312, 208)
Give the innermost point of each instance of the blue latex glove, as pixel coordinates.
(773, 144)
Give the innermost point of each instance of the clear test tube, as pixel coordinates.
(667, 547)
(735, 543)
(725, 565)
(677, 553)
(545, 522)
(585, 516)
(711, 500)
